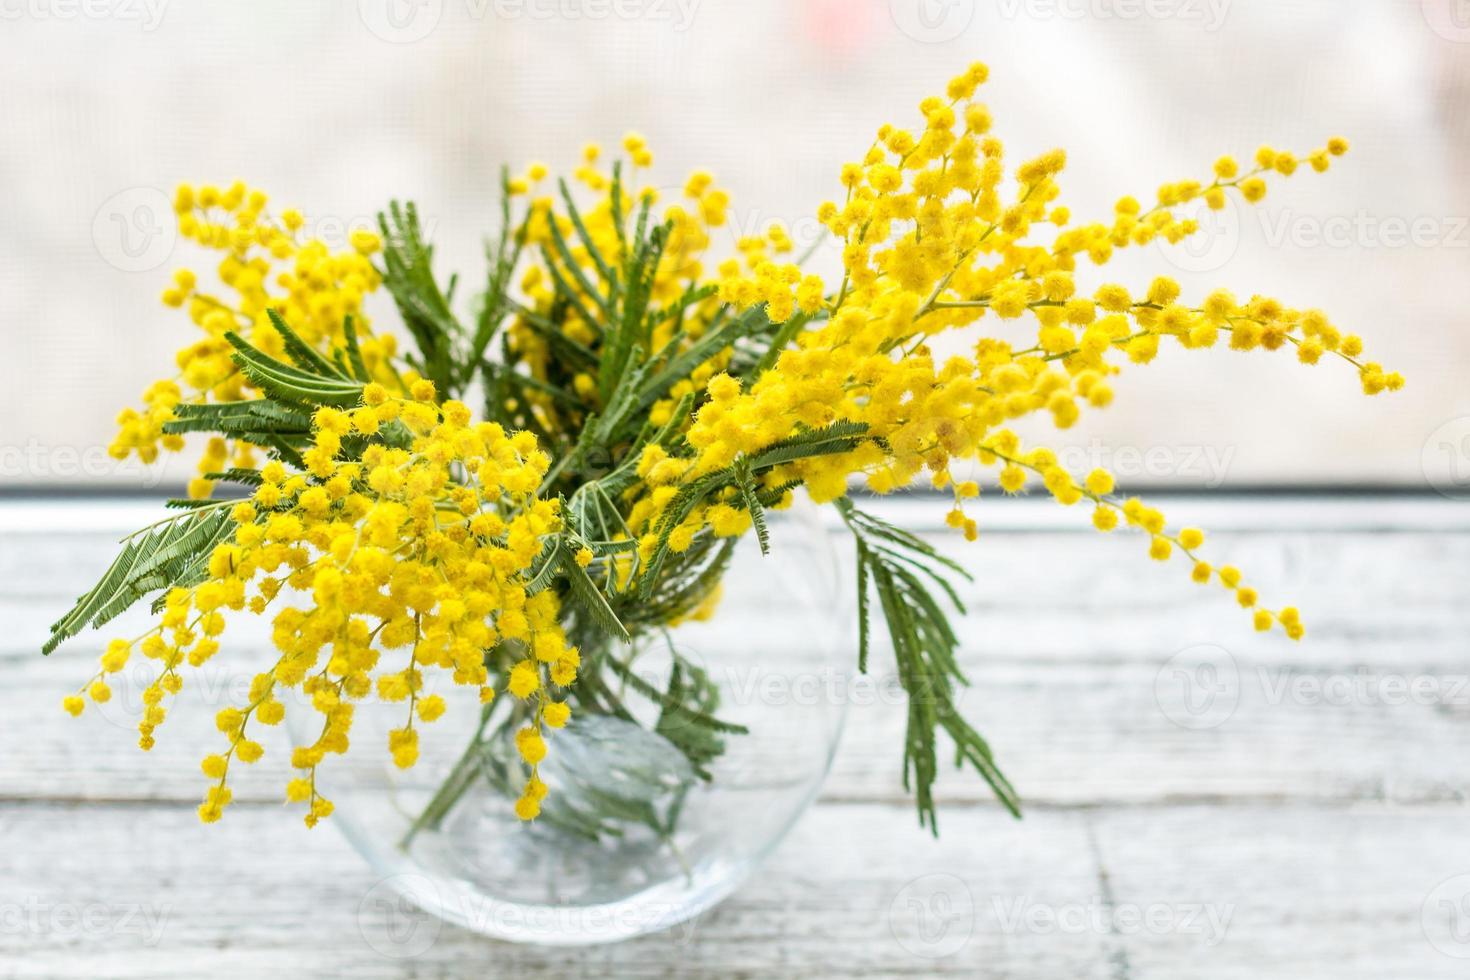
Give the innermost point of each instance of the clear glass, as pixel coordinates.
(780, 648)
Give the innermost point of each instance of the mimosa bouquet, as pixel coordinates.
(559, 460)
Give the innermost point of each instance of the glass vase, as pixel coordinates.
(634, 836)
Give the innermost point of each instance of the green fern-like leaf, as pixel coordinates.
(291, 384)
(151, 560)
(900, 568)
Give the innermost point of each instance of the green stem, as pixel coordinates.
(455, 784)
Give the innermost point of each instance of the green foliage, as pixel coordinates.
(589, 597)
(677, 364)
(903, 570)
(172, 552)
(303, 354)
(611, 775)
(292, 385)
(835, 438)
(257, 421)
(596, 441)
(350, 361)
(839, 437)
(637, 351)
(408, 275)
(237, 474)
(175, 552)
(751, 500)
(687, 706)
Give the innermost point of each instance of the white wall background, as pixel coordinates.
(338, 106)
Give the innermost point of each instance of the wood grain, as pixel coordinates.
(1315, 804)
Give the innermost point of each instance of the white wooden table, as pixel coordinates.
(1202, 801)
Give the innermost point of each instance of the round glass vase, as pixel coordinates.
(635, 835)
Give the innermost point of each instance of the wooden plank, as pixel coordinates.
(172, 898)
(144, 891)
(1375, 891)
(1078, 681)
(1070, 735)
(1325, 782)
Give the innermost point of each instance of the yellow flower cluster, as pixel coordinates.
(934, 241)
(268, 262)
(407, 526)
(451, 555)
(702, 207)
(395, 554)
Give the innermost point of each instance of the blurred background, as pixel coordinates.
(1170, 757)
(336, 107)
